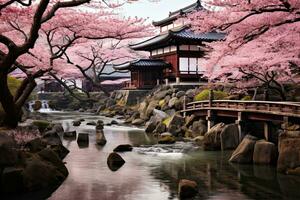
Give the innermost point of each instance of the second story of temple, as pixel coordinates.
(183, 51)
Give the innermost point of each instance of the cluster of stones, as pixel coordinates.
(33, 166)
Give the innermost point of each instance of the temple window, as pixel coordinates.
(190, 65)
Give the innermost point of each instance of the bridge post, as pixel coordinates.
(184, 105)
(266, 130)
(211, 117)
(240, 122)
(211, 97)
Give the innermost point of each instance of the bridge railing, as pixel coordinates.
(280, 108)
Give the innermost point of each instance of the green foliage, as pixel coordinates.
(41, 124)
(204, 95)
(246, 98)
(13, 84)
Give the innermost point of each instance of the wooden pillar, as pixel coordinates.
(266, 130)
(211, 118)
(167, 81)
(211, 97)
(184, 105)
(157, 82)
(241, 123)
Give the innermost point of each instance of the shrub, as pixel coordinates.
(41, 124)
(246, 98)
(204, 95)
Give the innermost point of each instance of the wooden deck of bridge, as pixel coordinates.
(264, 111)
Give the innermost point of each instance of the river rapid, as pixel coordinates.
(152, 171)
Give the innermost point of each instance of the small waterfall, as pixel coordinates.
(44, 106)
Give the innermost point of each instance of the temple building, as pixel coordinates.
(177, 54)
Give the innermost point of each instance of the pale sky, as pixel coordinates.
(154, 10)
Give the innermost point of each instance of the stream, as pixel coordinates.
(152, 171)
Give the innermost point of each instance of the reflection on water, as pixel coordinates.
(153, 171)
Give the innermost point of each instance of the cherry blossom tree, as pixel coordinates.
(262, 44)
(23, 40)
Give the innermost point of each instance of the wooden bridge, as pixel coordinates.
(265, 111)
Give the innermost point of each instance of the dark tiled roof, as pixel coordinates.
(174, 15)
(180, 34)
(188, 34)
(142, 63)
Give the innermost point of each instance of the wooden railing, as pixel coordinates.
(291, 109)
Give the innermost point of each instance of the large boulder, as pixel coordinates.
(123, 148)
(212, 140)
(52, 138)
(36, 145)
(166, 138)
(180, 94)
(289, 154)
(150, 126)
(100, 137)
(177, 121)
(244, 152)
(8, 151)
(229, 137)
(172, 102)
(160, 128)
(160, 95)
(160, 115)
(43, 172)
(152, 105)
(12, 180)
(187, 189)
(115, 161)
(142, 110)
(264, 152)
(199, 128)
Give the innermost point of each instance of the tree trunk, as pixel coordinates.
(11, 116)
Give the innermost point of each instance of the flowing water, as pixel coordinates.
(152, 171)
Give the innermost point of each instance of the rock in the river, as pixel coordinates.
(138, 122)
(114, 122)
(70, 135)
(123, 148)
(187, 189)
(115, 161)
(100, 137)
(83, 139)
(52, 138)
(229, 137)
(166, 138)
(264, 152)
(152, 105)
(92, 123)
(289, 154)
(8, 153)
(244, 152)
(77, 123)
(160, 115)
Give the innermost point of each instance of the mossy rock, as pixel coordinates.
(204, 95)
(167, 121)
(161, 103)
(41, 124)
(246, 98)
